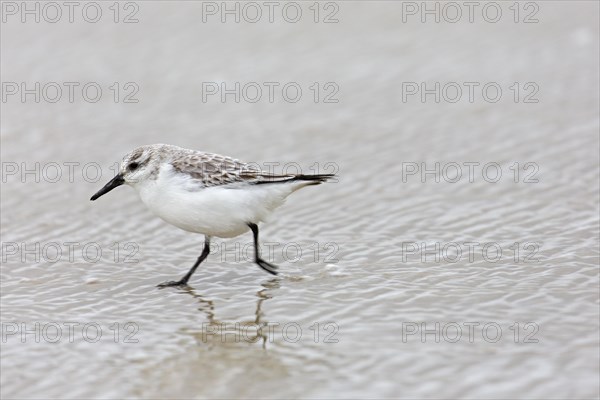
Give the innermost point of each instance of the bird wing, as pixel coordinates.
(217, 170)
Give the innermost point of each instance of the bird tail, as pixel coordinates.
(306, 179)
(297, 181)
(301, 181)
(314, 179)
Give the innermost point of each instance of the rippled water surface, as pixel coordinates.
(345, 318)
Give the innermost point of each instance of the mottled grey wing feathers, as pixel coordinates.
(218, 170)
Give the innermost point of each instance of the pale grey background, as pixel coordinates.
(371, 291)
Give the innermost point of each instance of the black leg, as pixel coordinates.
(270, 268)
(186, 278)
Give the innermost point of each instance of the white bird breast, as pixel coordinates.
(222, 211)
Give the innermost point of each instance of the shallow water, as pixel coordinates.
(345, 317)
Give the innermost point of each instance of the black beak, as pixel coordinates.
(114, 182)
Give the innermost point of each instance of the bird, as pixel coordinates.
(206, 193)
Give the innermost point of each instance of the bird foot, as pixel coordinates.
(171, 284)
(270, 268)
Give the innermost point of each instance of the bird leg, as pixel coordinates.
(186, 278)
(270, 268)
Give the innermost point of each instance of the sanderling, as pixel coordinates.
(206, 193)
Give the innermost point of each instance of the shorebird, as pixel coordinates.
(206, 193)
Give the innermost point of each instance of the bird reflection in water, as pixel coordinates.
(217, 332)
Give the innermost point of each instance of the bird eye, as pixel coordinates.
(133, 166)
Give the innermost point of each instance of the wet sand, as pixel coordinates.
(345, 319)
